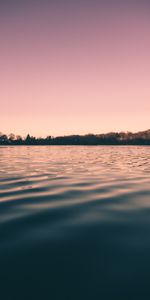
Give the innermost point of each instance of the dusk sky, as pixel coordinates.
(70, 67)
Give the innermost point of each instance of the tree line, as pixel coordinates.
(111, 138)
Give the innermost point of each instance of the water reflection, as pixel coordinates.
(75, 222)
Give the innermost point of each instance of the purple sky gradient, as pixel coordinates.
(71, 67)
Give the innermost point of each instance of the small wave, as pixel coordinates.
(77, 218)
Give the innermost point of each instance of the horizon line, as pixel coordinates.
(73, 134)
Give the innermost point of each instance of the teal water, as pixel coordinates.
(74, 222)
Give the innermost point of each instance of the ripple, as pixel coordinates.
(77, 217)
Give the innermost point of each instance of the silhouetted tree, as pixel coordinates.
(11, 137)
(3, 138)
(111, 138)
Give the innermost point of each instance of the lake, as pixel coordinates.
(75, 222)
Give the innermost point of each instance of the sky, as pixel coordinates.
(74, 66)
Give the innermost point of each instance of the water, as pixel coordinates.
(74, 222)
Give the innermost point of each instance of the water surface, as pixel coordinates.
(75, 222)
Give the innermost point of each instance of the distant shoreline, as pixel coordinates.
(141, 138)
(102, 145)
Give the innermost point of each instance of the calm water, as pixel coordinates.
(75, 223)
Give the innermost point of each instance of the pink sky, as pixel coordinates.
(67, 68)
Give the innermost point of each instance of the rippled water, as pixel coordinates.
(75, 222)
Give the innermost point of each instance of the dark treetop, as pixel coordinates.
(112, 138)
